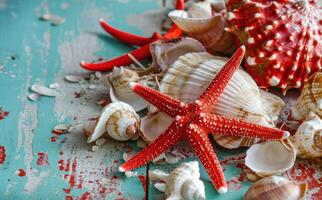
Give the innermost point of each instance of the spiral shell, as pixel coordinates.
(310, 99)
(270, 158)
(120, 90)
(308, 138)
(119, 120)
(275, 187)
(190, 75)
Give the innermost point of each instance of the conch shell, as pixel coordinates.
(120, 90)
(310, 99)
(191, 74)
(182, 183)
(270, 158)
(308, 138)
(119, 120)
(206, 26)
(275, 187)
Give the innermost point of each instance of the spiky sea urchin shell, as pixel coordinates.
(283, 39)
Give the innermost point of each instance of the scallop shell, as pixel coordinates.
(308, 138)
(165, 52)
(119, 120)
(270, 158)
(275, 187)
(205, 27)
(310, 99)
(120, 90)
(191, 74)
(182, 183)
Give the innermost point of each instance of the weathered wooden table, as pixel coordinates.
(38, 164)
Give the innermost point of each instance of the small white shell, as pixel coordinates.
(121, 91)
(275, 187)
(310, 99)
(308, 138)
(182, 183)
(270, 158)
(209, 30)
(164, 53)
(73, 78)
(34, 97)
(119, 120)
(42, 90)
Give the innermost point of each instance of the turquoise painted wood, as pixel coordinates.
(34, 162)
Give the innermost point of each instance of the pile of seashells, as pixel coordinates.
(183, 68)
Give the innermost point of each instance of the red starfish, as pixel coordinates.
(143, 52)
(194, 121)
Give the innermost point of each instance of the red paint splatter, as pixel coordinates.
(86, 196)
(2, 155)
(143, 182)
(21, 172)
(53, 139)
(42, 159)
(3, 114)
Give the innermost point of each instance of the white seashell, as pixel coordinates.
(182, 183)
(270, 158)
(74, 78)
(310, 99)
(191, 74)
(45, 17)
(152, 125)
(165, 52)
(64, 128)
(308, 138)
(275, 187)
(54, 85)
(42, 90)
(200, 9)
(34, 97)
(121, 91)
(57, 20)
(119, 120)
(210, 30)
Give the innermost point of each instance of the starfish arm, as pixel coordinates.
(128, 38)
(210, 96)
(165, 103)
(173, 33)
(201, 145)
(140, 54)
(236, 127)
(166, 140)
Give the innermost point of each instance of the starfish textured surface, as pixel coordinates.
(193, 122)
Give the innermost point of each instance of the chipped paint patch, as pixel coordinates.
(3, 114)
(2, 155)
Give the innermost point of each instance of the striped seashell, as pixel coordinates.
(119, 120)
(190, 75)
(310, 99)
(275, 187)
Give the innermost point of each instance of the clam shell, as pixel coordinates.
(165, 52)
(120, 90)
(119, 120)
(209, 30)
(308, 138)
(191, 74)
(275, 187)
(310, 99)
(42, 90)
(270, 158)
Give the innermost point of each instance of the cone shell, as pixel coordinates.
(165, 52)
(119, 120)
(270, 158)
(310, 99)
(191, 74)
(275, 187)
(209, 29)
(120, 90)
(283, 39)
(308, 138)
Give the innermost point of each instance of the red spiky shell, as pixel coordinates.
(283, 39)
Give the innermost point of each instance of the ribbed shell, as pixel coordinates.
(310, 99)
(283, 39)
(274, 187)
(191, 74)
(308, 138)
(114, 120)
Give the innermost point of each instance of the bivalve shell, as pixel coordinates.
(275, 187)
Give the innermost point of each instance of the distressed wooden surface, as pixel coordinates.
(37, 164)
